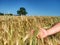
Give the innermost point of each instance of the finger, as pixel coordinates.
(32, 31)
(38, 36)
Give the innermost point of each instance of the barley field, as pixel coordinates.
(13, 30)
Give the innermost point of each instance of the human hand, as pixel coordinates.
(42, 33)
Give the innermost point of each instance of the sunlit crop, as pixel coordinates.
(13, 30)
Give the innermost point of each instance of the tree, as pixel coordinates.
(1, 13)
(22, 11)
(10, 14)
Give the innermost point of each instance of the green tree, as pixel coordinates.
(10, 14)
(22, 11)
(1, 13)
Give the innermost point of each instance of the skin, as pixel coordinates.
(44, 33)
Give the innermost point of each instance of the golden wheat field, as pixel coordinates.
(13, 30)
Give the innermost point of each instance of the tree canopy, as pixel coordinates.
(1, 13)
(9, 14)
(22, 11)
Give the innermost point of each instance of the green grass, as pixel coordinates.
(13, 30)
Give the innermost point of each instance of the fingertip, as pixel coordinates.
(32, 32)
(38, 37)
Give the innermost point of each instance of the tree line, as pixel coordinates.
(21, 11)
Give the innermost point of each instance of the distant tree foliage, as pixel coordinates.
(1, 13)
(9, 14)
(22, 11)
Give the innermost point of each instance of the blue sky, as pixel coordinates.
(33, 7)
